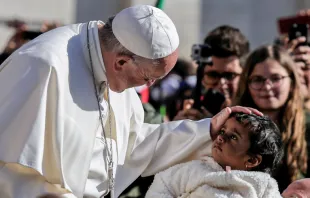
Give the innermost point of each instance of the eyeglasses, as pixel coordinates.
(257, 82)
(213, 77)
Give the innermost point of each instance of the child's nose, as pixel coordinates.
(221, 138)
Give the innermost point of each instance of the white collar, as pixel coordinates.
(95, 50)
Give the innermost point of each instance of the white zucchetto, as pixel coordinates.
(146, 31)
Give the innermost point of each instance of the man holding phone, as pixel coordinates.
(228, 46)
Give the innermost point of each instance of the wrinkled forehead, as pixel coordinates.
(170, 61)
(164, 65)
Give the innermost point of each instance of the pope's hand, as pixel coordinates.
(219, 119)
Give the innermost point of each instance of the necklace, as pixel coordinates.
(103, 85)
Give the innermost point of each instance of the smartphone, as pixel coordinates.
(212, 101)
(285, 23)
(29, 35)
(298, 30)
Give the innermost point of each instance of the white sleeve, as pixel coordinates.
(173, 142)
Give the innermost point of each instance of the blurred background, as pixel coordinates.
(193, 18)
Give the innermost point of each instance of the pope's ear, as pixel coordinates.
(121, 61)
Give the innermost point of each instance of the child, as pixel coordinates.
(249, 145)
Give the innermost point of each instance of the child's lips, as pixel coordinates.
(217, 147)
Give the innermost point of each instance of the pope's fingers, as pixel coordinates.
(247, 110)
(256, 112)
(240, 109)
(218, 120)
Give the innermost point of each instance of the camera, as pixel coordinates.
(212, 101)
(201, 53)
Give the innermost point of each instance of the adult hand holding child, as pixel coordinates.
(219, 119)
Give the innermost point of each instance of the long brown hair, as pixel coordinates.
(292, 119)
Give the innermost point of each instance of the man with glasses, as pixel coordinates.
(228, 46)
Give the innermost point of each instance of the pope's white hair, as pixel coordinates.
(110, 43)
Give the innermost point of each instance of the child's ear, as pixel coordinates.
(253, 161)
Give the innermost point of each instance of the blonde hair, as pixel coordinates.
(292, 119)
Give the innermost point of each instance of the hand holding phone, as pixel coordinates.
(285, 23)
(299, 30)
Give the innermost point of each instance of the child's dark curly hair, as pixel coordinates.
(265, 140)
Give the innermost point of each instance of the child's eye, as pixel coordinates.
(233, 137)
(221, 132)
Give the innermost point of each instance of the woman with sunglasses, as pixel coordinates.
(270, 83)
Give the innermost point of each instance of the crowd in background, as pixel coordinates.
(273, 78)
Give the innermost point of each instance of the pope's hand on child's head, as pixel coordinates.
(219, 119)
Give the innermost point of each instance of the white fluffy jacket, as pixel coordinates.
(197, 179)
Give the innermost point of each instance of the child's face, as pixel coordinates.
(231, 145)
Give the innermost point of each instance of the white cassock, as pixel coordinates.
(50, 128)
